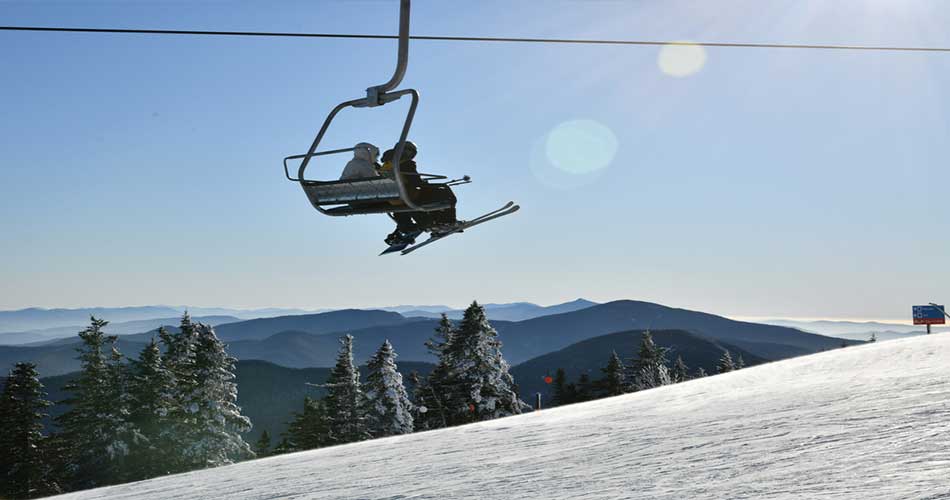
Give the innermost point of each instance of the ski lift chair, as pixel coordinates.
(374, 195)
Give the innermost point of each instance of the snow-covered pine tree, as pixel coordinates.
(308, 430)
(417, 388)
(152, 400)
(614, 383)
(179, 355)
(433, 393)
(649, 369)
(700, 372)
(740, 363)
(680, 372)
(344, 399)
(179, 360)
(24, 472)
(479, 382)
(215, 438)
(96, 427)
(725, 363)
(442, 338)
(388, 409)
(262, 447)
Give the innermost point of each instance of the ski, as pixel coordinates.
(400, 246)
(508, 209)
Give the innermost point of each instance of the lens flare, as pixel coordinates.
(681, 59)
(581, 146)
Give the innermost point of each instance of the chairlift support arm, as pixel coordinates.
(375, 96)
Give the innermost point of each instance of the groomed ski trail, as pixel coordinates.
(863, 422)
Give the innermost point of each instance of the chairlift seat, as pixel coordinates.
(351, 190)
(376, 194)
(360, 196)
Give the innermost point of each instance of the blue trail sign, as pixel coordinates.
(929, 315)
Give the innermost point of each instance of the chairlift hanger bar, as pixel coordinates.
(575, 41)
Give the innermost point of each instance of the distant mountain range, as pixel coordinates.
(36, 318)
(32, 325)
(523, 339)
(67, 333)
(310, 340)
(858, 330)
(517, 311)
(45, 322)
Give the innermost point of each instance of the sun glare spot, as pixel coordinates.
(581, 146)
(681, 59)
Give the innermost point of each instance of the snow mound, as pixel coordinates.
(868, 421)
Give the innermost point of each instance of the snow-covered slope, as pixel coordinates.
(870, 421)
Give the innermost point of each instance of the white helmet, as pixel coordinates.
(366, 151)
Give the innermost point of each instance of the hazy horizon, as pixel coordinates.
(748, 318)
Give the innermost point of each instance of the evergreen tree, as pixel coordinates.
(24, 472)
(443, 336)
(564, 393)
(388, 409)
(649, 369)
(478, 381)
(215, 436)
(6, 422)
(700, 372)
(344, 400)
(418, 388)
(433, 393)
(725, 363)
(179, 359)
(284, 446)
(680, 371)
(96, 428)
(584, 389)
(614, 383)
(308, 430)
(152, 392)
(262, 447)
(180, 354)
(740, 363)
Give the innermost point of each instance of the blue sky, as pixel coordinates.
(144, 170)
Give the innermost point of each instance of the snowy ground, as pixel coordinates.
(868, 421)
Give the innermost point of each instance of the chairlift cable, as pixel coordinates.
(573, 41)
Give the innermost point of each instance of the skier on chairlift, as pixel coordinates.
(411, 224)
(363, 164)
(417, 202)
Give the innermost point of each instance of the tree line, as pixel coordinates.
(173, 409)
(649, 369)
(469, 383)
